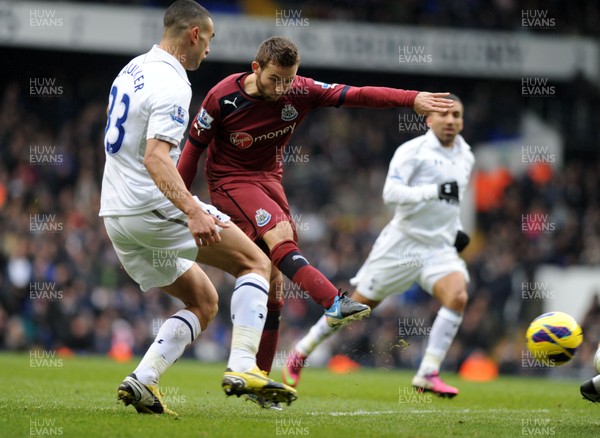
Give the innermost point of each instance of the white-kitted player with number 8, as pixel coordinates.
(159, 230)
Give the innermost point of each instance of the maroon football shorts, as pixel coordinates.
(256, 207)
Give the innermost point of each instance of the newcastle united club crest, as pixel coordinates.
(288, 113)
(262, 217)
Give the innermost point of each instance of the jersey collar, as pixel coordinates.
(240, 80)
(159, 55)
(433, 140)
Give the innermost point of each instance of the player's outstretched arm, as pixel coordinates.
(422, 102)
(426, 102)
(164, 173)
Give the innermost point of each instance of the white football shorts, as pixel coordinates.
(156, 248)
(396, 261)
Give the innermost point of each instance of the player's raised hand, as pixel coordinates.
(426, 102)
(203, 227)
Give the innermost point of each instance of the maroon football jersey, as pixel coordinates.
(246, 135)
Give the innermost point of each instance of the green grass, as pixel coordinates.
(76, 397)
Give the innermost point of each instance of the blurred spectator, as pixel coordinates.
(577, 17)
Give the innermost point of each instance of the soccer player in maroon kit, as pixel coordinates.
(245, 122)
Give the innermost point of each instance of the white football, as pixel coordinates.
(597, 360)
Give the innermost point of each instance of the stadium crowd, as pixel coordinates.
(577, 17)
(62, 287)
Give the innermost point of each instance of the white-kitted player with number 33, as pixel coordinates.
(159, 230)
(426, 180)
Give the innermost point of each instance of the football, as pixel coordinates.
(553, 338)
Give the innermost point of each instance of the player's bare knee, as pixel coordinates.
(211, 310)
(263, 265)
(207, 312)
(212, 306)
(281, 232)
(205, 306)
(258, 263)
(458, 301)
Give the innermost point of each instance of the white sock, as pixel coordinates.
(177, 332)
(248, 315)
(315, 336)
(442, 334)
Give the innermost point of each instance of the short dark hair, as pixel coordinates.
(455, 98)
(278, 50)
(183, 14)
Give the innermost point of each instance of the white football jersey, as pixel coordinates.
(148, 99)
(415, 172)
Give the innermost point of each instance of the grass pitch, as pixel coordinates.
(51, 396)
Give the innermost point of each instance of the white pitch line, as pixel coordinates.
(350, 414)
(432, 411)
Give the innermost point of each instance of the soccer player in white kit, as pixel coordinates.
(426, 180)
(590, 389)
(159, 230)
